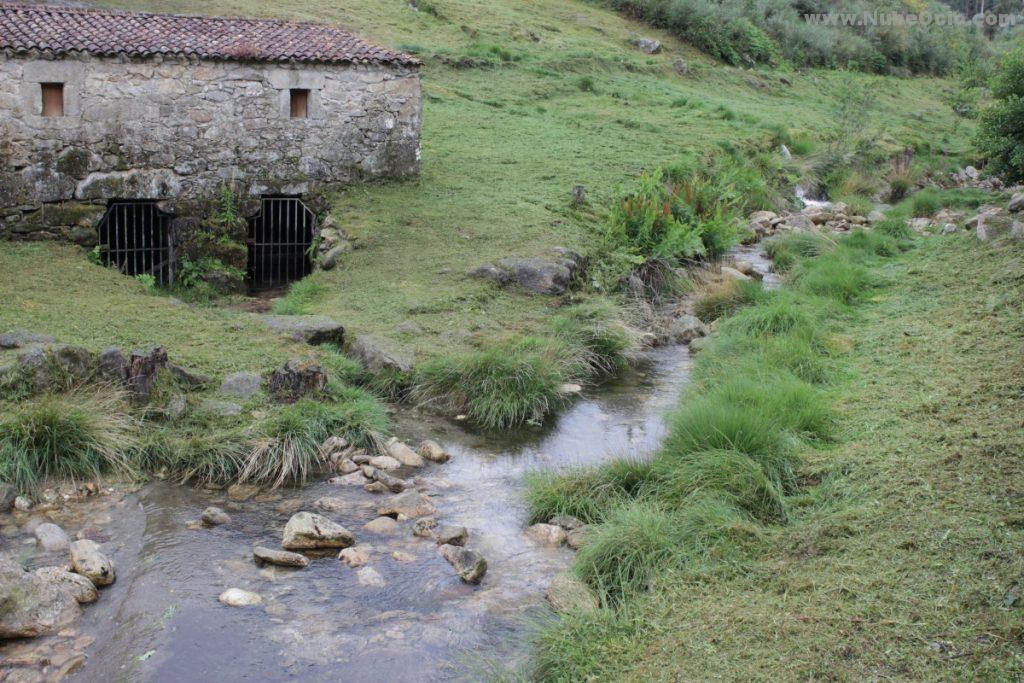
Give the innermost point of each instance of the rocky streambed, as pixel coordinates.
(192, 602)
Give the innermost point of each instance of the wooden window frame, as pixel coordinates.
(52, 100)
(298, 101)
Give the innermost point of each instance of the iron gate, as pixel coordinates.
(135, 237)
(279, 242)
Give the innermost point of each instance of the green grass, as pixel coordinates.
(897, 538)
(598, 327)
(301, 297)
(786, 250)
(586, 494)
(727, 297)
(834, 277)
(76, 435)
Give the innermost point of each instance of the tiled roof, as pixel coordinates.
(64, 30)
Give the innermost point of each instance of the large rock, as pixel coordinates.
(384, 462)
(469, 564)
(546, 535)
(377, 354)
(648, 46)
(53, 365)
(384, 526)
(31, 605)
(18, 338)
(281, 558)
(1016, 204)
(51, 537)
(410, 504)
(403, 454)
(532, 274)
(80, 588)
(452, 535)
(311, 329)
(432, 451)
(87, 560)
(243, 385)
(309, 531)
(568, 594)
(391, 483)
(296, 379)
(685, 329)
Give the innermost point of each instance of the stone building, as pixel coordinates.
(153, 116)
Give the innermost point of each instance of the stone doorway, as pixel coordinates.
(135, 238)
(280, 242)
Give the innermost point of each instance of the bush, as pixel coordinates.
(66, 437)
(504, 386)
(596, 326)
(1001, 127)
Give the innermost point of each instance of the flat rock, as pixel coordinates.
(391, 483)
(353, 479)
(309, 531)
(236, 597)
(382, 525)
(80, 588)
(242, 385)
(332, 504)
(469, 564)
(356, 556)
(214, 516)
(242, 492)
(567, 593)
(311, 329)
(410, 504)
(32, 605)
(432, 451)
(546, 535)
(368, 576)
(403, 454)
(87, 560)
(281, 558)
(15, 339)
(384, 462)
(378, 354)
(450, 534)
(51, 537)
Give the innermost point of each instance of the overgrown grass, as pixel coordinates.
(727, 297)
(597, 326)
(301, 297)
(82, 434)
(786, 250)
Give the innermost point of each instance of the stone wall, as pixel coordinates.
(180, 131)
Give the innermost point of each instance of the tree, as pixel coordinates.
(1001, 134)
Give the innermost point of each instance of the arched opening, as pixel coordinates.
(280, 238)
(135, 238)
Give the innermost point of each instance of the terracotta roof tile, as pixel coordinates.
(64, 30)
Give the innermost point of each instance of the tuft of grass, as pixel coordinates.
(506, 385)
(586, 493)
(301, 297)
(597, 327)
(925, 203)
(76, 435)
(896, 228)
(794, 404)
(198, 453)
(780, 315)
(858, 205)
(835, 277)
(786, 250)
(727, 297)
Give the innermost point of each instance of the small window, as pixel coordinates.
(53, 99)
(300, 103)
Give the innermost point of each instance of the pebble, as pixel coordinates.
(236, 597)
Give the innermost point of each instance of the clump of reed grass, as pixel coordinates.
(584, 493)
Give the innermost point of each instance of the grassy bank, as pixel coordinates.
(888, 550)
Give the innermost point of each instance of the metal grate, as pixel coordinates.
(279, 241)
(135, 238)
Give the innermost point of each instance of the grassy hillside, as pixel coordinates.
(548, 94)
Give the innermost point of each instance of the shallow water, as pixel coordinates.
(161, 620)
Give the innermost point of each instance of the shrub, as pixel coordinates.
(596, 326)
(1001, 127)
(503, 386)
(587, 494)
(731, 474)
(69, 436)
(712, 423)
(728, 297)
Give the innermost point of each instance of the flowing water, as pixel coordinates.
(161, 620)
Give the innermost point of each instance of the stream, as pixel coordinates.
(161, 620)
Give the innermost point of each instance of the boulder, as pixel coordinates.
(241, 385)
(385, 526)
(403, 454)
(376, 354)
(87, 560)
(384, 462)
(309, 531)
(411, 504)
(452, 535)
(469, 564)
(281, 558)
(535, 275)
(15, 339)
(236, 597)
(311, 329)
(80, 588)
(32, 606)
(214, 516)
(546, 535)
(296, 379)
(51, 537)
(685, 329)
(356, 556)
(799, 221)
(368, 576)
(51, 366)
(1016, 204)
(648, 46)
(567, 593)
(432, 451)
(393, 484)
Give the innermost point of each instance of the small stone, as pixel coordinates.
(361, 458)
(382, 525)
(404, 557)
(307, 531)
(432, 451)
(546, 535)
(403, 454)
(22, 503)
(87, 560)
(469, 564)
(51, 537)
(214, 516)
(368, 576)
(242, 492)
(424, 528)
(393, 484)
(376, 487)
(384, 462)
(80, 588)
(368, 471)
(347, 466)
(356, 556)
(331, 504)
(236, 597)
(411, 504)
(281, 558)
(332, 447)
(354, 479)
(452, 535)
(567, 522)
